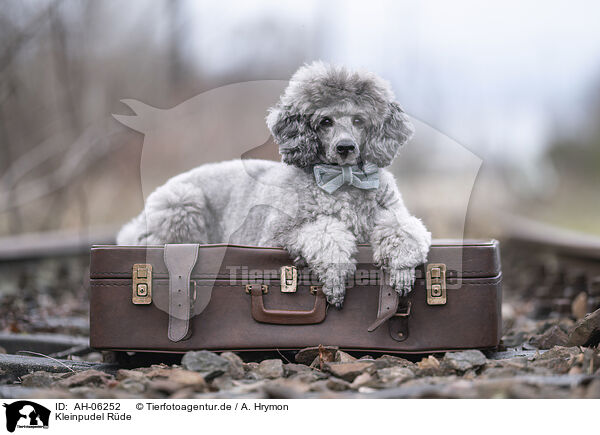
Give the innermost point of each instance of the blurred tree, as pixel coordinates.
(64, 67)
(577, 155)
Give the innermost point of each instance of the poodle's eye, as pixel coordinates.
(326, 122)
(358, 121)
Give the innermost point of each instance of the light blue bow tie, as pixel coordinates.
(330, 177)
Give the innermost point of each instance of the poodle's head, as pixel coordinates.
(329, 114)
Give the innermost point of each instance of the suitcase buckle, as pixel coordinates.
(404, 311)
(435, 283)
(142, 284)
(398, 323)
(264, 288)
(289, 279)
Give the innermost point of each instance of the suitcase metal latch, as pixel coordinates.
(142, 284)
(289, 279)
(435, 283)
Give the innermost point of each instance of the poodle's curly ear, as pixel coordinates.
(385, 139)
(298, 141)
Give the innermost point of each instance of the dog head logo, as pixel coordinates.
(221, 124)
(26, 414)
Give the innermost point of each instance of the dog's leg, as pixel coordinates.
(400, 243)
(327, 246)
(174, 213)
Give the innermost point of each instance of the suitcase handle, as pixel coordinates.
(287, 317)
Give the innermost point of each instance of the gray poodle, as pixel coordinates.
(336, 129)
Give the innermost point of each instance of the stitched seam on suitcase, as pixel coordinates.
(165, 274)
(236, 286)
(160, 275)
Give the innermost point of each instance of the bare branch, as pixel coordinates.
(13, 47)
(92, 145)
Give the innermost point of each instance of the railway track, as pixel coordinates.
(557, 269)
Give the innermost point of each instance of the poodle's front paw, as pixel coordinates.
(402, 280)
(335, 294)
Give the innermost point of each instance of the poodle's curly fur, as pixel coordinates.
(264, 203)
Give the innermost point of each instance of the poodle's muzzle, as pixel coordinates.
(341, 137)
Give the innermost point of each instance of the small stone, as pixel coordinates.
(93, 357)
(563, 322)
(554, 336)
(221, 383)
(319, 386)
(308, 355)
(364, 379)
(515, 363)
(40, 379)
(463, 361)
(286, 388)
(586, 331)
(271, 368)
(469, 375)
(558, 360)
(394, 376)
(123, 374)
(429, 366)
(343, 357)
(236, 365)
(251, 371)
(188, 378)
(335, 384)
(366, 390)
(157, 373)
(208, 363)
(92, 378)
(132, 385)
(152, 368)
(393, 361)
(309, 376)
(579, 306)
(292, 369)
(348, 371)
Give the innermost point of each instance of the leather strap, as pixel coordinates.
(398, 324)
(388, 304)
(180, 260)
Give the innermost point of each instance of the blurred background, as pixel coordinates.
(515, 85)
(102, 101)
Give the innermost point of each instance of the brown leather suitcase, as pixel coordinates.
(223, 297)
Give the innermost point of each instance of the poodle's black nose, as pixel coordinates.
(344, 147)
